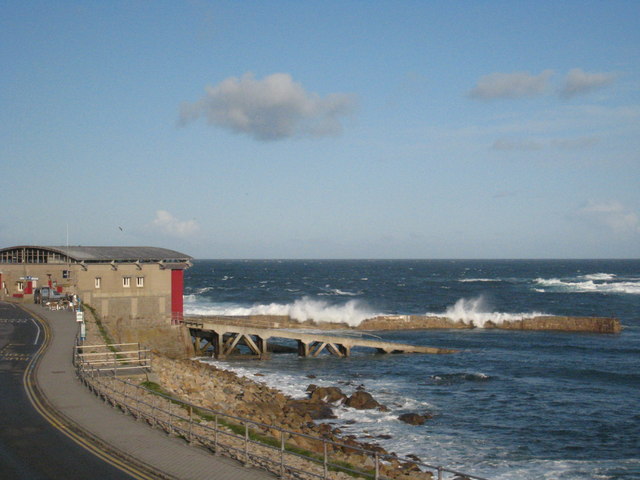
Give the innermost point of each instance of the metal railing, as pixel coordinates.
(176, 318)
(286, 453)
(109, 358)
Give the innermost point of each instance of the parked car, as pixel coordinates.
(47, 294)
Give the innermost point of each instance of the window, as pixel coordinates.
(139, 281)
(20, 286)
(98, 281)
(126, 282)
(66, 273)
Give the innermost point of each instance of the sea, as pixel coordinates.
(510, 405)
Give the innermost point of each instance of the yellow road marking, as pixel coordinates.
(29, 384)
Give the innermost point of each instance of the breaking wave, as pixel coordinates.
(469, 280)
(591, 283)
(337, 291)
(599, 276)
(455, 378)
(476, 312)
(352, 312)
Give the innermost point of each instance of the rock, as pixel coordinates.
(328, 394)
(316, 410)
(362, 400)
(413, 457)
(412, 418)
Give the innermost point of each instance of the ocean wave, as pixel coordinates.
(337, 291)
(599, 276)
(476, 312)
(467, 280)
(590, 286)
(456, 378)
(352, 312)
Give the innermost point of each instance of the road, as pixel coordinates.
(31, 447)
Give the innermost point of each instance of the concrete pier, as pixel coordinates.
(225, 337)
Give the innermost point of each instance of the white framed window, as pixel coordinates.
(139, 281)
(126, 282)
(20, 286)
(66, 273)
(98, 282)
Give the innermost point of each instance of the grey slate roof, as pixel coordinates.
(123, 254)
(116, 254)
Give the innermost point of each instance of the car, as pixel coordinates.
(47, 294)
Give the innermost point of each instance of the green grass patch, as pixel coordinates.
(101, 328)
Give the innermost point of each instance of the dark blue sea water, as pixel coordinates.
(510, 405)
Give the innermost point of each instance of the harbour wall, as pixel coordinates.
(427, 322)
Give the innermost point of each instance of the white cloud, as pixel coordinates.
(577, 81)
(169, 225)
(270, 109)
(510, 85)
(611, 214)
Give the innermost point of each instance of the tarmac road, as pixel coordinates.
(31, 447)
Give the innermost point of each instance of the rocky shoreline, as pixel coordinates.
(225, 391)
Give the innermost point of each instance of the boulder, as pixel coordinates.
(413, 418)
(362, 400)
(328, 394)
(316, 410)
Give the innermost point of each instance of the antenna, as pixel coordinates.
(68, 259)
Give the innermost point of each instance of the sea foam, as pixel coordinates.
(475, 311)
(591, 283)
(352, 312)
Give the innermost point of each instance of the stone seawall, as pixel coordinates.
(427, 322)
(542, 322)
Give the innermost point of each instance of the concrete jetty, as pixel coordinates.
(225, 335)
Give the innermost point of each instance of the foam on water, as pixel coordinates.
(352, 312)
(599, 276)
(476, 311)
(468, 280)
(591, 285)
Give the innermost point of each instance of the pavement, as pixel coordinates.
(152, 453)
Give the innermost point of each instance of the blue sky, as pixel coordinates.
(325, 129)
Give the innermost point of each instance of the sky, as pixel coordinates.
(323, 129)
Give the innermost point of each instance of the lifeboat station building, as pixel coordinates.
(122, 284)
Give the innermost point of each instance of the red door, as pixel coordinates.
(177, 289)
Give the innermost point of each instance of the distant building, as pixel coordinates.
(121, 283)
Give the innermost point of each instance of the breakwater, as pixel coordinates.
(606, 325)
(541, 322)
